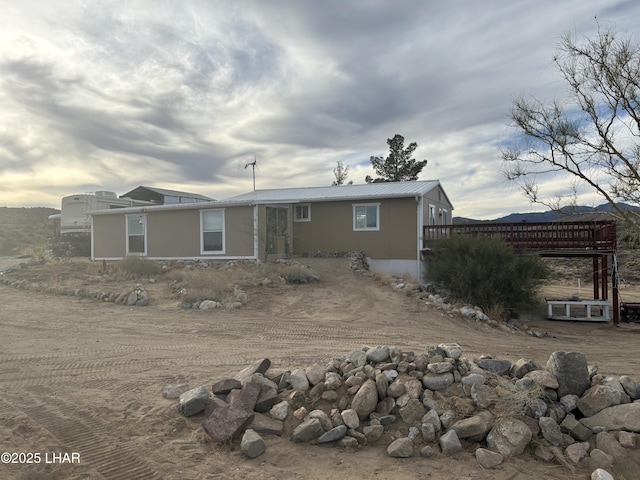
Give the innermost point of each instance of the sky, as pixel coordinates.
(182, 94)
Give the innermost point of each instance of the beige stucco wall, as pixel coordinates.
(331, 229)
(174, 234)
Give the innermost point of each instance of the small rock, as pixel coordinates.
(481, 395)
(193, 401)
(279, 410)
(600, 458)
(474, 379)
(307, 431)
(299, 380)
(487, 458)
(350, 418)
(324, 419)
(333, 435)
(174, 390)
(427, 451)
(544, 453)
(627, 439)
(550, 430)
(450, 443)
(600, 474)
(577, 451)
(401, 448)
(315, 374)
(452, 350)
(499, 367)
(252, 444)
(225, 386)
(373, 433)
(433, 381)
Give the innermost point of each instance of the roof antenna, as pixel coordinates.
(253, 167)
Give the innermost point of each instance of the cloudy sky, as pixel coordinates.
(181, 94)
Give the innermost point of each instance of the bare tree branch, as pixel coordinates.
(593, 135)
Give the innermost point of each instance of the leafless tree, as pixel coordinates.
(341, 173)
(592, 135)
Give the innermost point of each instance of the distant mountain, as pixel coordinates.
(566, 213)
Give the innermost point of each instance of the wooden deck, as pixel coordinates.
(595, 239)
(537, 236)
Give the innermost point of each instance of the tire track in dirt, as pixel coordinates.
(78, 373)
(89, 438)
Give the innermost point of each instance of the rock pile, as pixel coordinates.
(137, 296)
(435, 402)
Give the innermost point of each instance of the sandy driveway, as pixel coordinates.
(77, 376)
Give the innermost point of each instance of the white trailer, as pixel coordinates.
(74, 228)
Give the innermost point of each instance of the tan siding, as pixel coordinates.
(331, 229)
(174, 234)
(109, 236)
(239, 231)
(438, 198)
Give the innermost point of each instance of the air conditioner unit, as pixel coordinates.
(106, 193)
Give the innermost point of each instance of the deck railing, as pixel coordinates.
(535, 236)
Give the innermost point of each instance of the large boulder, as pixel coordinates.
(225, 425)
(571, 371)
(618, 417)
(475, 427)
(509, 436)
(599, 397)
(193, 401)
(366, 399)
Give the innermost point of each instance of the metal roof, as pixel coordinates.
(170, 206)
(367, 191)
(165, 191)
(340, 192)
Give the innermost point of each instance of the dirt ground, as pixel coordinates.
(82, 377)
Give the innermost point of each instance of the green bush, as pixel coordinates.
(486, 272)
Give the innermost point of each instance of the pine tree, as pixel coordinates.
(398, 166)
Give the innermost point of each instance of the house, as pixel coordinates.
(163, 196)
(384, 220)
(73, 225)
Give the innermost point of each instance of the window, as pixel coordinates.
(443, 217)
(136, 229)
(366, 216)
(302, 213)
(212, 226)
(432, 214)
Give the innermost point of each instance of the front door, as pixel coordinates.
(278, 231)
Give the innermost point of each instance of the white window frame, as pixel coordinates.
(202, 232)
(302, 207)
(443, 213)
(366, 229)
(142, 219)
(432, 215)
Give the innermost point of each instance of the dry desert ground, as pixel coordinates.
(82, 377)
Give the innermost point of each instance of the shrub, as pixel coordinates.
(135, 267)
(299, 274)
(211, 284)
(486, 272)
